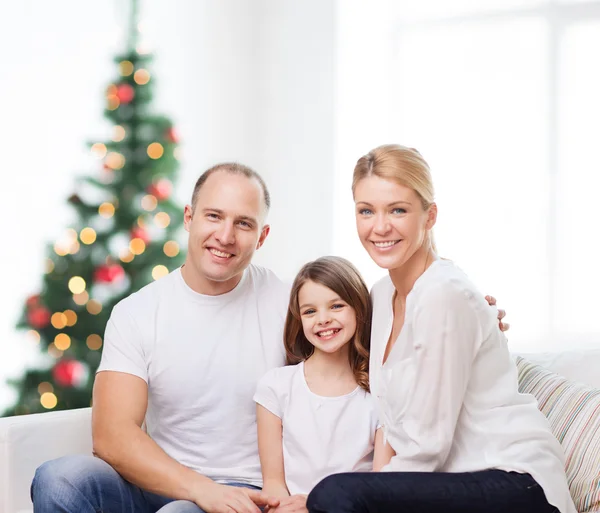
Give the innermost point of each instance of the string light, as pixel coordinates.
(76, 284)
(81, 298)
(88, 235)
(106, 210)
(155, 150)
(34, 335)
(98, 150)
(159, 271)
(141, 77)
(171, 248)
(94, 342)
(48, 400)
(149, 202)
(58, 320)
(44, 387)
(94, 307)
(62, 341)
(162, 219)
(137, 246)
(118, 133)
(71, 317)
(126, 68)
(114, 160)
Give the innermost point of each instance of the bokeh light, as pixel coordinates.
(137, 246)
(58, 320)
(141, 76)
(44, 387)
(155, 150)
(34, 335)
(88, 235)
(82, 298)
(126, 256)
(48, 400)
(114, 160)
(71, 317)
(159, 271)
(62, 341)
(162, 219)
(118, 133)
(76, 284)
(171, 248)
(106, 210)
(94, 342)
(126, 68)
(54, 351)
(94, 307)
(49, 266)
(149, 202)
(98, 150)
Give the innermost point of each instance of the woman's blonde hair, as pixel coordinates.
(399, 164)
(340, 276)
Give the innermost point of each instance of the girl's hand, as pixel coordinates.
(292, 504)
(504, 326)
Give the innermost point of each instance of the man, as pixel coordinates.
(184, 355)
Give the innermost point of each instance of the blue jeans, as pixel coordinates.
(489, 491)
(84, 484)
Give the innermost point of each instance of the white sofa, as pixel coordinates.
(28, 441)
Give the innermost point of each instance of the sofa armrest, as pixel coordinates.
(28, 441)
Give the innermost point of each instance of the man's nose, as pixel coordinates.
(226, 233)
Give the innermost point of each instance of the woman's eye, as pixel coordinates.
(399, 211)
(365, 212)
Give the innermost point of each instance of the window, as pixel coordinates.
(502, 99)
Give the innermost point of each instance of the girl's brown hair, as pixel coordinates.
(341, 276)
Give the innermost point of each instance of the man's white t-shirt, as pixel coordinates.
(321, 435)
(202, 357)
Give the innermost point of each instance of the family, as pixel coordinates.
(221, 391)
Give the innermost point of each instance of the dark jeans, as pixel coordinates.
(489, 491)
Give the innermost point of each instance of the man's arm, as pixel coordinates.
(383, 452)
(119, 408)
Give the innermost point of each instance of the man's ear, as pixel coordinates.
(263, 235)
(431, 216)
(187, 217)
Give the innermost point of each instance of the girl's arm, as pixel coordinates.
(270, 450)
(383, 452)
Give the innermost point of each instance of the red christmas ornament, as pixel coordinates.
(125, 93)
(172, 135)
(70, 373)
(161, 190)
(33, 301)
(140, 233)
(38, 317)
(109, 273)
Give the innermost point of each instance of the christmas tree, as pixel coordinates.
(124, 237)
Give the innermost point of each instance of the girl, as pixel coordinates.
(316, 416)
(460, 437)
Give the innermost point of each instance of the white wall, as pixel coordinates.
(247, 81)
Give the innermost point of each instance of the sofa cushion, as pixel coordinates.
(573, 410)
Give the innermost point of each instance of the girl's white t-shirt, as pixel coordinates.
(321, 435)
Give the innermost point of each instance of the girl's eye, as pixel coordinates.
(337, 306)
(365, 211)
(308, 312)
(399, 211)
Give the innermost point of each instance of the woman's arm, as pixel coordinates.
(270, 450)
(383, 452)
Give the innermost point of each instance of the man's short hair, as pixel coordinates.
(233, 168)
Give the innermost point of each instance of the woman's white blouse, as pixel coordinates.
(447, 393)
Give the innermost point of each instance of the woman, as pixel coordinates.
(460, 438)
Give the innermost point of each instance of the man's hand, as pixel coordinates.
(292, 504)
(218, 498)
(504, 326)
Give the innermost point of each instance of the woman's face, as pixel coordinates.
(390, 220)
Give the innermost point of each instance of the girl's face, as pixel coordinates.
(328, 322)
(390, 220)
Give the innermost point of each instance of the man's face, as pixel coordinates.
(226, 228)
